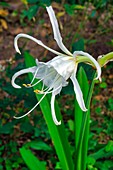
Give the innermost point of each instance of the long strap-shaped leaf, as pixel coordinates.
(82, 122)
(83, 82)
(57, 133)
(31, 160)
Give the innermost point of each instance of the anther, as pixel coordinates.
(38, 91)
(28, 85)
(25, 85)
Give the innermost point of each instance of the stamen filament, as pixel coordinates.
(31, 109)
(53, 90)
(34, 75)
(32, 85)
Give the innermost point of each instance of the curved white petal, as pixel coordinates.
(92, 59)
(78, 92)
(31, 109)
(56, 31)
(53, 110)
(35, 40)
(28, 70)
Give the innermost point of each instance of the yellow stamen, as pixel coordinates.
(25, 85)
(29, 85)
(38, 91)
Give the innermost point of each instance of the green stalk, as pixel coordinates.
(83, 82)
(83, 126)
(57, 133)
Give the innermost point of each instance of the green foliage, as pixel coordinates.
(38, 145)
(103, 85)
(78, 45)
(33, 8)
(31, 12)
(4, 4)
(94, 160)
(32, 1)
(31, 161)
(110, 104)
(71, 8)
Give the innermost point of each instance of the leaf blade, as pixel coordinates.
(31, 160)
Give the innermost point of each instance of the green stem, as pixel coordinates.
(78, 160)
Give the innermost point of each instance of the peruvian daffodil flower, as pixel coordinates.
(55, 73)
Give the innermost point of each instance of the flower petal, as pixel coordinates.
(92, 59)
(78, 92)
(56, 31)
(53, 110)
(28, 70)
(35, 40)
(63, 65)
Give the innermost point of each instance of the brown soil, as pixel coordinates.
(97, 28)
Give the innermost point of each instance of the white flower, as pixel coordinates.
(55, 73)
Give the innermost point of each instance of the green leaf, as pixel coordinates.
(26, 127)
(71, 124)
(71, 8)
(39, 145)
(93, 13)
(57, 133)
(106, 165)
(7, 128)
(78, 45)
(110, 103)
(31, 160)
(90, 160)
(82, 121)
(103, 85)
(45, 2)
(31, 12)
(58, 166)
(4, 4)
(83, 82)
(32, 1)
(81, 151)
(104, 152)
(1, 167)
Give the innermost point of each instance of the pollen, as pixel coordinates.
(38, 91)
(27, 85)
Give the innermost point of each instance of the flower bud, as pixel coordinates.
(104, 59)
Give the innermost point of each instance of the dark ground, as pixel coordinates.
(97, 31)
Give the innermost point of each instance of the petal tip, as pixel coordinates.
(58, 123)
(18, 51)
(85, 110)
(16, 86)
(16, 117)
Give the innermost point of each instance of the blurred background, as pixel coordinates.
(85, 25)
